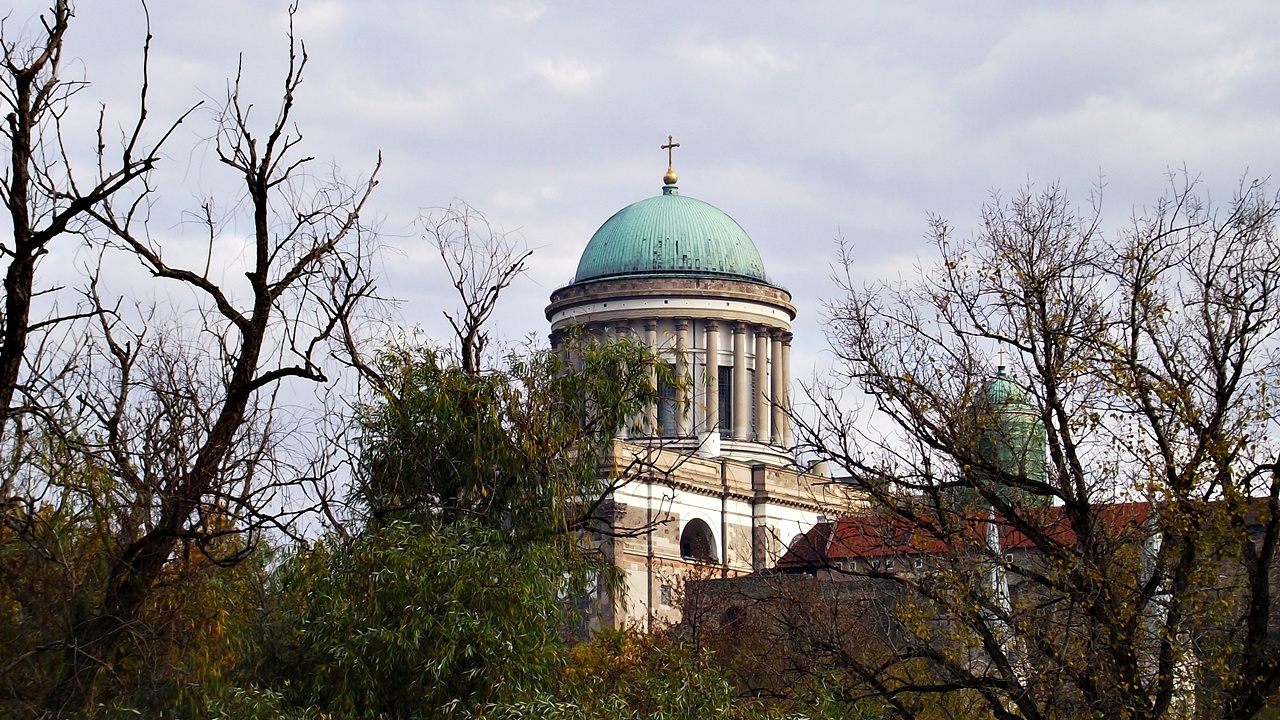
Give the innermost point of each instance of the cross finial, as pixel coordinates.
(670, 147)
(1001, 360)
(671, 177)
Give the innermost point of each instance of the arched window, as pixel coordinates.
(697, 542)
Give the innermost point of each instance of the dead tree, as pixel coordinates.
(482, 261)
(186, 417)
(46, 198)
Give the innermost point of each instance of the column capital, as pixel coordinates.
(711, 325)
(650, 324)
(682, 323)
(739, 328)
(786, 338)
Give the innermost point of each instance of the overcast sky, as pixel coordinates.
(803, 121)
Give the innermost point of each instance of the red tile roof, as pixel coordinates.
(878, 534)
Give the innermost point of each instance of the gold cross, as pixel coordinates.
(670, 147)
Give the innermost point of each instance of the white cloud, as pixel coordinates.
(517, 12)
(568, 75)
(742, 61)
(319, 17)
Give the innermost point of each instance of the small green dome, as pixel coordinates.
(1011, 434)
(670, 235)
(1006, 396)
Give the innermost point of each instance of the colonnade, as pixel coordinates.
(762, 417)
(768, 422)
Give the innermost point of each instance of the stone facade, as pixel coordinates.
(748, 512)
(712, 487)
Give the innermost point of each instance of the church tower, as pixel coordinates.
(682, 277)
(1010, 436)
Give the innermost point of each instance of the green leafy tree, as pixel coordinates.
(453, 586)
(523, 448)
(409, 621)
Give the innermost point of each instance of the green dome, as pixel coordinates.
(1006, 396)
(670, 235)
(1011, 434)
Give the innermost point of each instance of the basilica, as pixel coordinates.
(727, 497)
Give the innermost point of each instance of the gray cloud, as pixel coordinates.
(801, 120)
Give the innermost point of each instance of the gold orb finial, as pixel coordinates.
(671, 177)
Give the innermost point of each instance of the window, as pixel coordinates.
(667, 407)
(888, 566)
(919, 563)
(1008, 558)
(725, 390)
(697, 542)
(664, 595)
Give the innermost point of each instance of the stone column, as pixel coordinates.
(622, 331)
(761, 434)
(741, 393)
(777, 390)
(786, 389)
(651, 412)
(684, 371)
(711, 375)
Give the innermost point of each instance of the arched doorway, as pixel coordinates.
(697, 542)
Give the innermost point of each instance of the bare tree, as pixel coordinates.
(482, 261)
(179, 425)
(45, 197)
(1150, 366)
